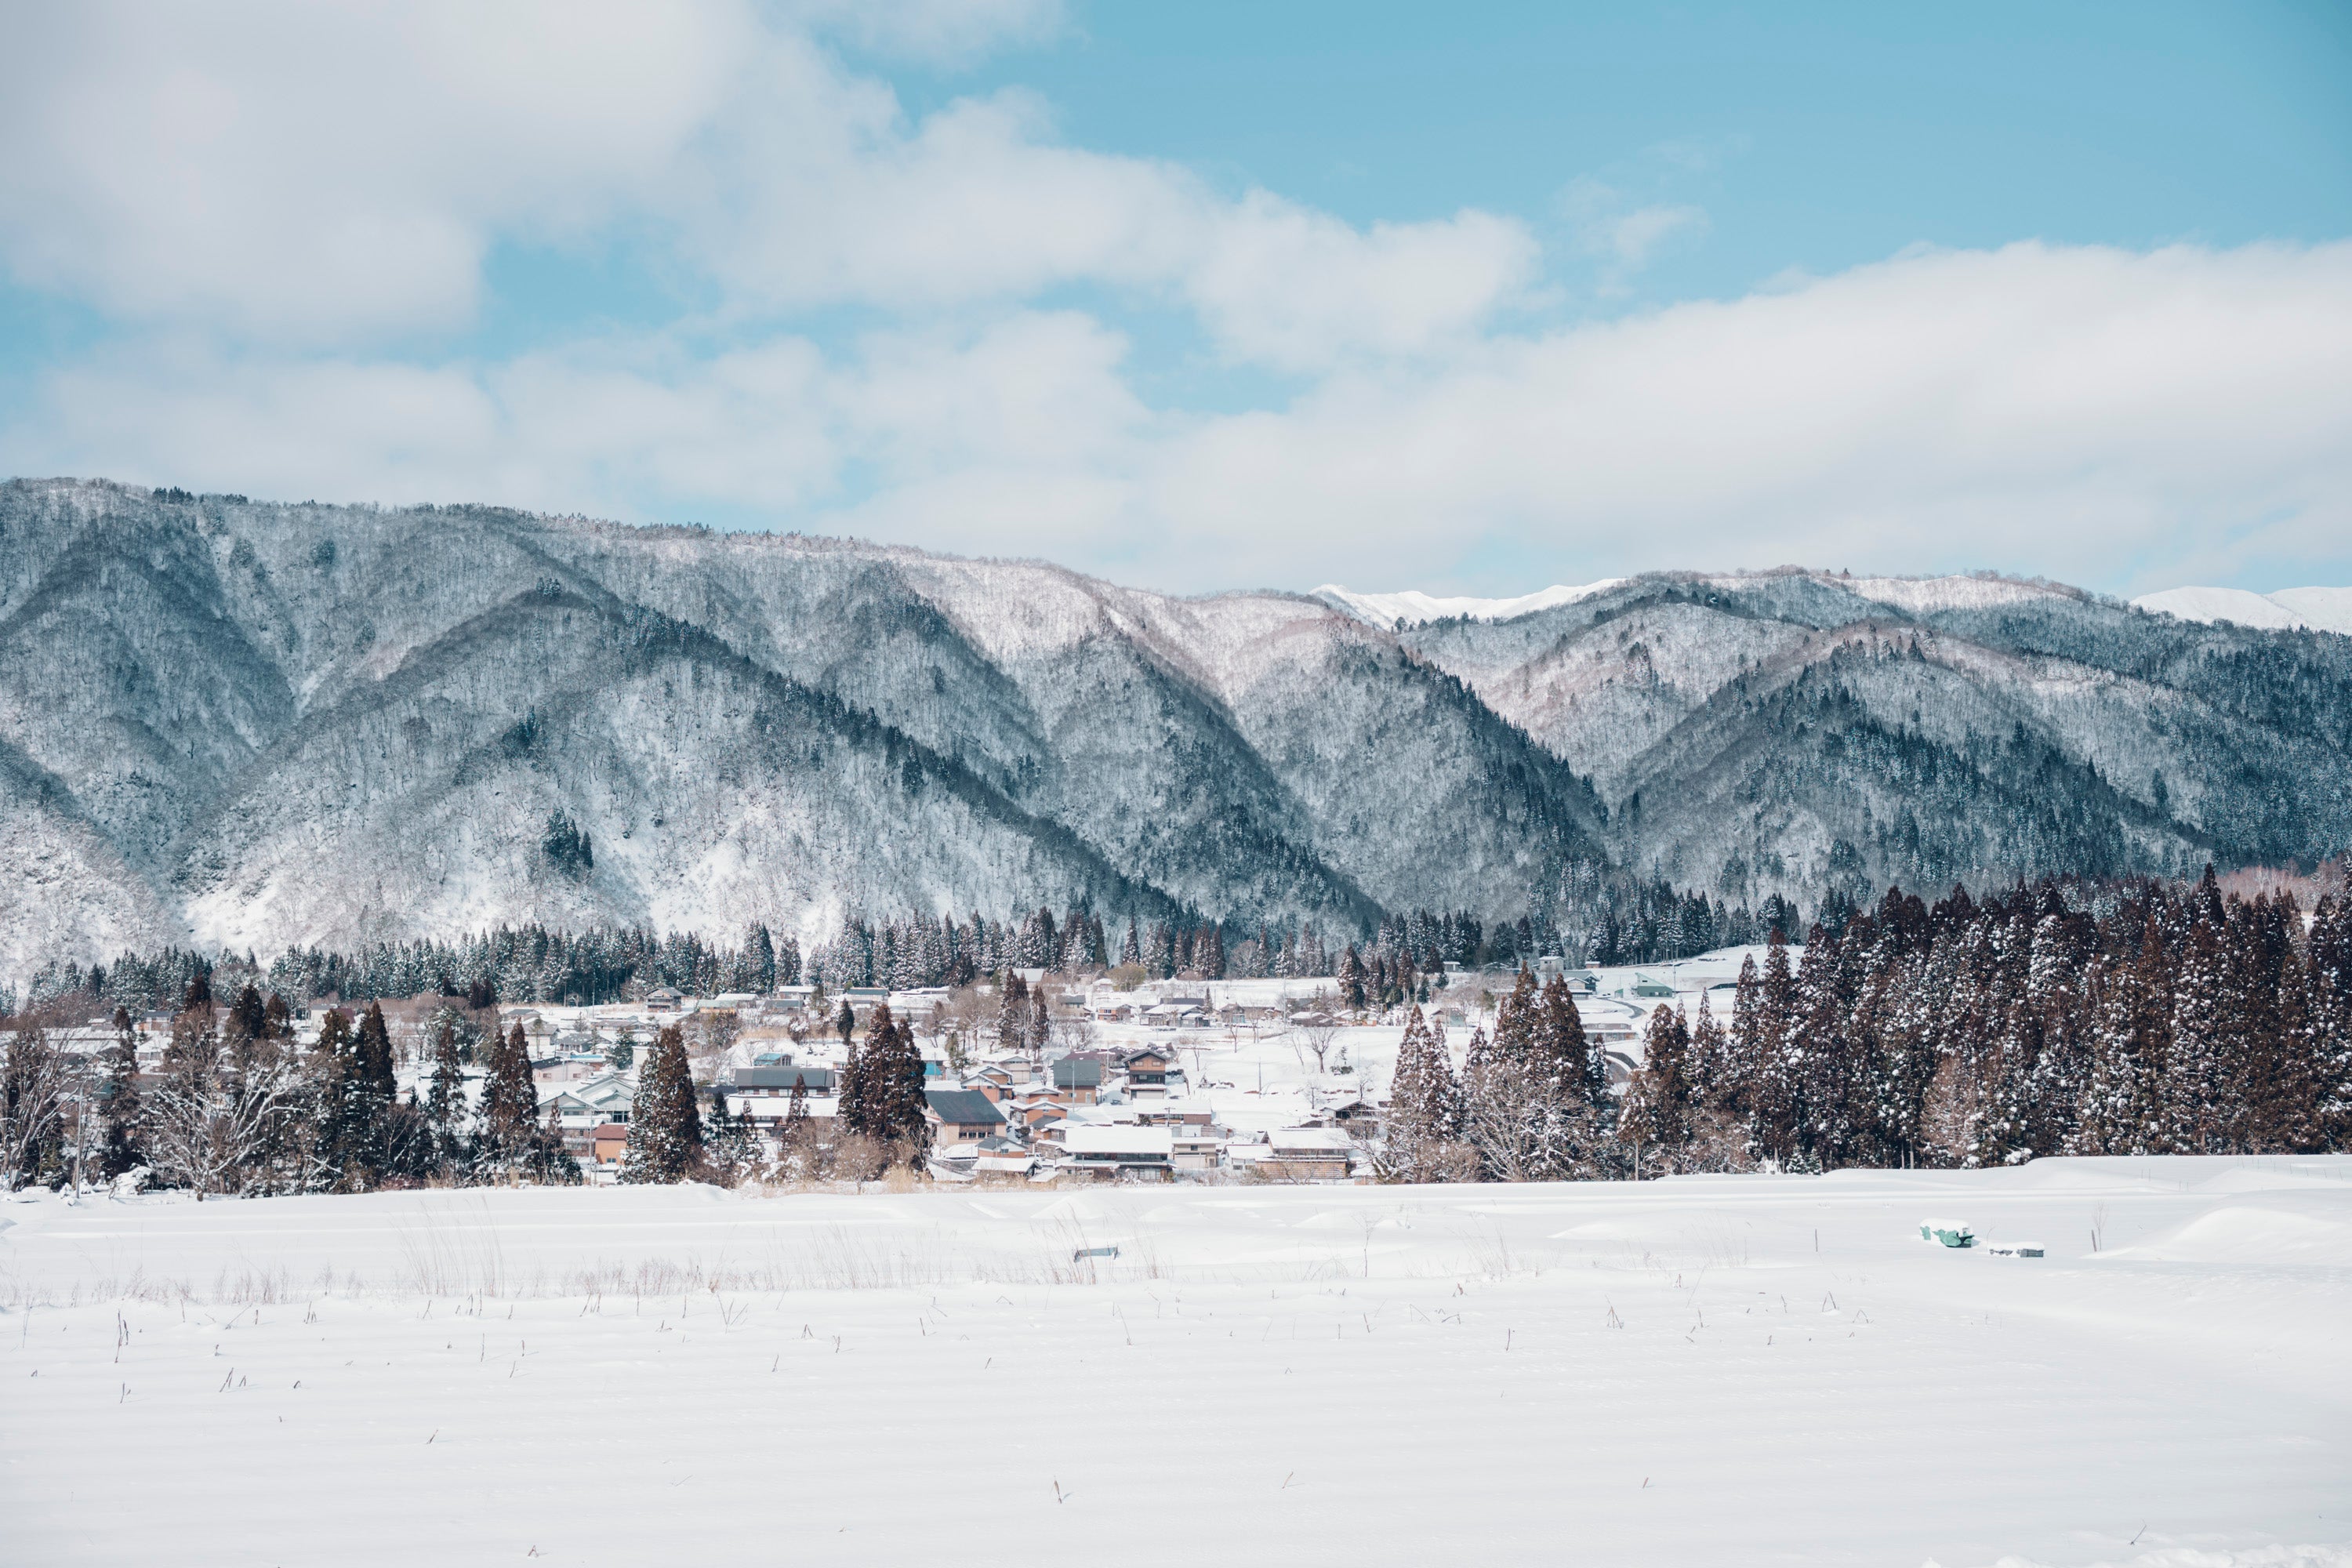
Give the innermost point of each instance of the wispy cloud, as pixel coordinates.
(1622, 238)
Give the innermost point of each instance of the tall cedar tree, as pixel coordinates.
(444, 1103)
(1424, 1121)
(551, 1161)
(850, 1106)
(664, 1124)
(349, 1118)
(247, 1020)
(796, 1144)
(373, 1052)
(1655, 1119)
(890, 1083)
(731, 1142)
(506, 1121)
(1012, 1023)
(120, 1108)
(1351, 978)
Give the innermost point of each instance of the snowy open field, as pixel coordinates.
(1706, 1370)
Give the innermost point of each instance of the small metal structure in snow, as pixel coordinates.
(2014, 1249)
(1950, 1232)
(1083, 1253)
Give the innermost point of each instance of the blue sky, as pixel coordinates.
(1473, 298)
(1823, 136)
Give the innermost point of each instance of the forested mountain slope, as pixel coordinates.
(1782, 731)
(256, 724)
(259, 724)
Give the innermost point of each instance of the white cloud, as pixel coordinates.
(1630, 238)
(1623, 240)
(1301, 290)
(2039, 408)
(331, 173)
(2116, 418)
(1030, 405)
(822, 193)
(308, 172)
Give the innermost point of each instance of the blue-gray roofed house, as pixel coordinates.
(961, 1116)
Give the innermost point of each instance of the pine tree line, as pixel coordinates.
(1530, 1103)
(1584, 916)
(525, 963)
(2161, 1021)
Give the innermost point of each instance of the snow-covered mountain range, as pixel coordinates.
(254, 724)
(2327, 609)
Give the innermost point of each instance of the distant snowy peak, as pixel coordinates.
(2326, 609)
(1416, 608)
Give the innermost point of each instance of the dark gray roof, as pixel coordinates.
(1078, 1072)
(819, 1080)
(966, 1106)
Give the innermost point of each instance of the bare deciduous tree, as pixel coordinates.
(1318, 1031)
(1073, 1032)
(228, 1123)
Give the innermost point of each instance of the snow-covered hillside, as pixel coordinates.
(1412, 607)
(2325, 609)
(1700, 1370)
(241, 723)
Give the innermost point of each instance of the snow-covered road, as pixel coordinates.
(1702, 1370)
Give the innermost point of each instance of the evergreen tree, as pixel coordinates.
(507, 1120)
(759, 961)
(348, 1113)
(373, 1054)
(2283, 1080)
(1351, 978)
(730, 1146)
(1774, 1110)
(796, 1142)
(1576, 1064)
(119, 1107)
(2328, 1003)
(248, 1019)
(1744, 1062)
(2198, 1077)
(444, 1103)
(664, 1125)
(1424, 1118)
(1040, 1034)
(551, 1162)
(892, 1113)
(1655, 1119)
(850, 1112)
(1709, 1062)
(1013, 1016)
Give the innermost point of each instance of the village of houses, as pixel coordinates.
(1185, 1081)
